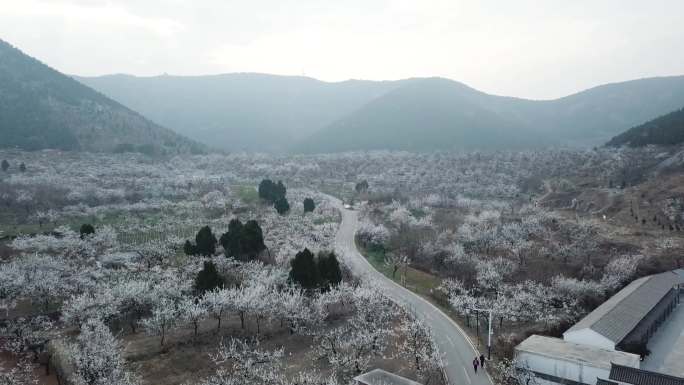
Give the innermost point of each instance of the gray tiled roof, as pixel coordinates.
(620, 314)
(642, 377)
(381, 377)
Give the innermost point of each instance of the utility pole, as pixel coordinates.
(489, 332)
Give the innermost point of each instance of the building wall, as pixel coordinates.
(561, 369)
(647, 326)
(589, 337)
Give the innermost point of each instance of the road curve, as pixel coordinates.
(457, 348)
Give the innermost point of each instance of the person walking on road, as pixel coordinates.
(482, 360)
(475, 364)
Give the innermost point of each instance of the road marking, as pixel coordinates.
(466, 373)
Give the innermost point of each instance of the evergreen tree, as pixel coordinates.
(282, 206)
(266, 190)
(205, 242)
(208, 278)
(22, 167)
(252, 242)
(86, 229)
(189, 248)
(279, 191)
(309, 205)
(304, 271)
(361, 186)
(270, 191)
(329, 269)
(232, 240)
(5, 165)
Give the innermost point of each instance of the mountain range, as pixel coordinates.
(42, 108)
(245, 111)
(257, 112)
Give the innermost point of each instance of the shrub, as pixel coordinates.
(86, 229)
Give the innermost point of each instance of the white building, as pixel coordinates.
(626, 321)
(631, 315)
(555, 361)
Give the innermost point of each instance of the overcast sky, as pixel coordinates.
(536, 49)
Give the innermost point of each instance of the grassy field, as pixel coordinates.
(247, 194)
(417, 281)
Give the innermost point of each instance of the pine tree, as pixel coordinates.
(304, 271)
(309, 205)
(282, 206)
(208, 278)
(189, 248)
(266, 190)
(232, 240)
(361, 186)
(270, 191)
(329, 269)
(205, 242)
(252, 242)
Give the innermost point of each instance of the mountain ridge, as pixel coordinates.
(264, 112)
(42, 108)
(248, 111)
(587, 118)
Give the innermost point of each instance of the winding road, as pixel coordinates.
(457, 348)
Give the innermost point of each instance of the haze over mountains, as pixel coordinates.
(251, 112)
(42, 108)
(257, 112)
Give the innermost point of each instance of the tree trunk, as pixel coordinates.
(242, 319)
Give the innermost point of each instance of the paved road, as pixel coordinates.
(458, 350)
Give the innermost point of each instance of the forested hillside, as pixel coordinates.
(665, 130)
(42, 108)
